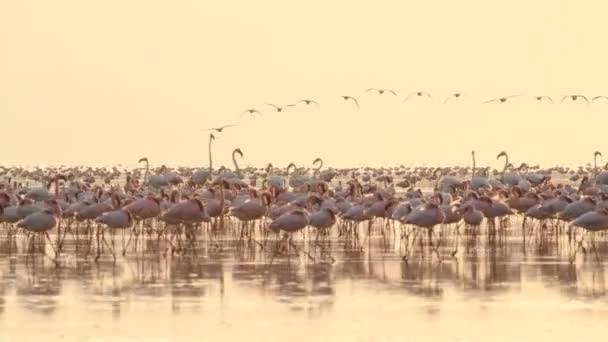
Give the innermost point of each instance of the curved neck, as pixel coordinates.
(320, 162)
(210, 158)
(595, 163)
(146, 174)
(435, 173)
(473, 172)
(504, 170)
(236, 165)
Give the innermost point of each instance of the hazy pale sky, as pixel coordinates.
(104, 82)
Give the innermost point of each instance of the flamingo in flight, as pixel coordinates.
(309, 102)
(381, 91)
(453, 96)
(350, 98)
(220, 129)
(501, 99)
(574, 98)
(251, 111)
(280, 108)
(417, 94)
(542, 98)
(600, 97)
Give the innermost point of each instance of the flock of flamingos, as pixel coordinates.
(287, 211)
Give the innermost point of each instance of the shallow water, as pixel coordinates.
(492, 290)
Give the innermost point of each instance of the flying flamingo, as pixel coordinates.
(453, 96)
(501, 99)
(350, 98)
(280, 108)
(220, 129)
(382, 91)
(575, 97)
(417, 94)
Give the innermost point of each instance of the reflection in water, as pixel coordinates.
(229, 287)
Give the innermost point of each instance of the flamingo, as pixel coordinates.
(200, 177)
(280, 108)
(188, 211)
(574, 98)
(381, 91)
(501, 99)
(478, 182)
(350, 98)
(595, 155)
(221, 128)
(428, 217)
(290, 222)
(510, 178)
(541, 98)
(453, 96)
(417, 94)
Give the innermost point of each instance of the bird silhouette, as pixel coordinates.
(346, 98)
(417, 94)
(543, 98)
(219, 129)
(453, 96)
(251, 111)
(381, 91)
(575, 97)
(600, 97)
(280, 108)
(309, 102)
(501, 99)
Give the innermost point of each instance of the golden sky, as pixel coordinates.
(106, 82)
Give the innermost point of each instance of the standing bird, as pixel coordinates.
(220, 129)
(201, 176)
(290, 222)
(324, 218)
(417, 94)
(501, 99)
(575, 97)
(347, 98)
(189, 211)
(594, 220)
(381, 91)
(280, 108)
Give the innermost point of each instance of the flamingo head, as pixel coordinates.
(238, 151)
(502, 154)
(143, 160)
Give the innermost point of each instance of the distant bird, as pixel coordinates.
(575, 97)
(251, 111)
(601, 97)
(346, 98)
(543, 98)
(501, 99)
(381, 91)
(280, 108)
(219, 129)
(453, 96)
(418, 94)
(310, 102)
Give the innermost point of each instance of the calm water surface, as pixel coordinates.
(490, 291)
